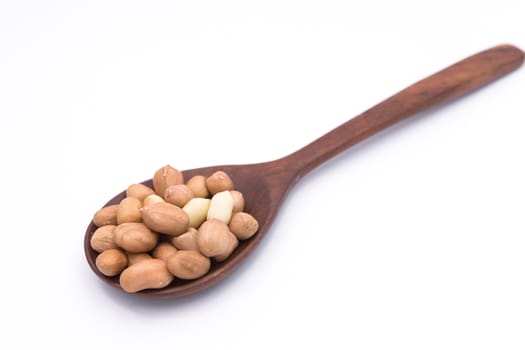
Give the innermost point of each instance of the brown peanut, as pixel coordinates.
(165, 177)
(232, 244)
(219, 181)
(135, 237)
(134, 258)
(213, 238)
(178, 195)
(186, 241)
(102, 238)
(188, 264)
(163, 251)
(111, 262)
(152, 198)
(238, 201)
(197, 185)
(139, 191)
(165, 218)
(129, 210)
(106, 215)
(243, 225)
(146, 274)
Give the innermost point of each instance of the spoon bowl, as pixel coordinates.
(265, 185)
(257, 182)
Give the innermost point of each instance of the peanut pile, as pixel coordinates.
(171, 230)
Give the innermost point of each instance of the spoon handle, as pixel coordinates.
(445, 85)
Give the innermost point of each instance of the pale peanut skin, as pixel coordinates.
(243, 225)
(129, 210)
(139, 191)
(188, 264)
(106, 215)
(197, 210)
(102, 238)
(219, 181)
(197, 185)
(163, 251)
(135, 237)
(146, 274)
(134, 258)
(111, 262)
(221, 207)
(165, 177)
(165, 218)
(178, 195)
(186, 241)
(213, 238)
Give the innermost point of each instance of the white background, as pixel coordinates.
(414, 239)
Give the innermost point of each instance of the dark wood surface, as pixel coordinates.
(265, 185)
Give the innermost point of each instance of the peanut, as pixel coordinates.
(134, 258)
(243, 225)
(111, 262)
(165, 177)
(219, 181)
(178, 195)
(139, 191)
(152, 198)
(213, 238)
(106, 215)
(238, 201)
(186, 241)
(197, 210)
(197, 185)
(102, 238)
(135, 237)
(129, 210)
(146, 274)
(232, 244)
(165, 218)
(221, 207)
(163, 251)
(188, 264)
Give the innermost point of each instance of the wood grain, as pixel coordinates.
(443, 86)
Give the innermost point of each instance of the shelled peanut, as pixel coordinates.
(171, 231)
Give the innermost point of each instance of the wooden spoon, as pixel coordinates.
(265, 185)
